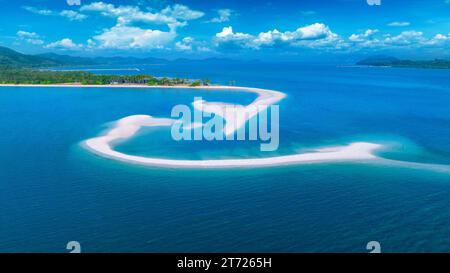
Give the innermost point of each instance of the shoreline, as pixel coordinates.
(263, 94)
(77, 85)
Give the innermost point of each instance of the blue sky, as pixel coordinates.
(240, 29)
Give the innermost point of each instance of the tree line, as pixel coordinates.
(29, 76)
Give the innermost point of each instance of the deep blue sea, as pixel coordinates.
(53, 191)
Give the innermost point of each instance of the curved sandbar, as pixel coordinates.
(127, 127)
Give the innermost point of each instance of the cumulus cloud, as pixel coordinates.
(126, 14)
(364, 36)
(439, 39)
(26, 34)
(29, 37)
(72, 15)
(231, 39)
(312, 35)
(185, 44)
(129, 37)
(223, 15)
(129, 14)
(399, 24)
(64, 44)
(181, 12)
(125, 35)
(406, 38)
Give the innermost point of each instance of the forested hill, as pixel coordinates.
(13, 59)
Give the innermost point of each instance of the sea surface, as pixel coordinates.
(52, 190)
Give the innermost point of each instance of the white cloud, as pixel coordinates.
(399, 24)
(223, 15)
(29, 37)
(228, 37)
(72, 15)
(39, 11)
(226, 32)
(310, 36)
(27, 34)
(128, 14)
(406, 38)
(65, 44)
(368, 34)
(128, 37)
(319, 36)
(185, 44)
(182, 12)
(125, 35)
(439, 40)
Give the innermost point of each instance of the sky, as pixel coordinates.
(256, 29)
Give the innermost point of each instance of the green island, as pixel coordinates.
(31, 76)
(18, 68)
(398, 63)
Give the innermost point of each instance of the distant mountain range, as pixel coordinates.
(394, 62)
(13, 59)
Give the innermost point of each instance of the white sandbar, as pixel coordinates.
(129, 126)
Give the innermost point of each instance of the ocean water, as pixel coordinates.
(53, 191)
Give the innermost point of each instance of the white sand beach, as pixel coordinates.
(129, 126)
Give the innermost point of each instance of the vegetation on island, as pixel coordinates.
(398, 63)
(18, 68)
(30, 76)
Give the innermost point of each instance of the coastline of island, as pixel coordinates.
(391, 62)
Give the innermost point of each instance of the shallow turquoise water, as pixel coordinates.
(53, 191)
